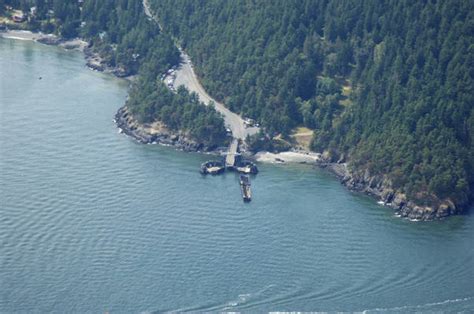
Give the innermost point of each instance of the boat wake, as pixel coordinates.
(426, 306)
(242, 299)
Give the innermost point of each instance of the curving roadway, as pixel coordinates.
(185, 76)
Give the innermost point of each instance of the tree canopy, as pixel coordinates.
(390, 84)
(125, 38)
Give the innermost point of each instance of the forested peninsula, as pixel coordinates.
(386, 86)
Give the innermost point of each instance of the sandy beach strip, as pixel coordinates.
(20, 35)
(76, 43)
(302, 157)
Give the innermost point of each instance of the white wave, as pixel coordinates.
(420, 306)
(245, 297)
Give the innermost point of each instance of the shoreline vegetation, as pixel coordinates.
(385, 88)
(137, 122)
(145, 133)
(157, 133)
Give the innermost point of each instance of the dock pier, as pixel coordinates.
(232, 154)
(233, 161)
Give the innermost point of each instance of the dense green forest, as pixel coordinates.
(124, 37)
(150, 101)
(389, 84)
(117, 29)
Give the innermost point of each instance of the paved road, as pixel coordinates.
(185, 76)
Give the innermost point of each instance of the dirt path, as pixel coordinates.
(185, 76)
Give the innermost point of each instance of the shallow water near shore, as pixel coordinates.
(91, 221)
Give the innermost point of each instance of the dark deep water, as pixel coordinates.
(91, 221)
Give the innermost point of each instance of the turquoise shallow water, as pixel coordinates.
(91, 221)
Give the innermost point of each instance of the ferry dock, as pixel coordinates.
(233, 161)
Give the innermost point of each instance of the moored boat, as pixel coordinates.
(212, 167)
(247, 167)
(245, 188)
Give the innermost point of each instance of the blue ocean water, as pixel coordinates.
(92, 222)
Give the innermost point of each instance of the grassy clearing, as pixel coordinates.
(302, 137)
(346, 92)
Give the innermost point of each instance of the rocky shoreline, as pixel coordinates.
(157, 133)
(380, 188)
(95, 62)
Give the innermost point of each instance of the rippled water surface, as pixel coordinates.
(91, 221)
